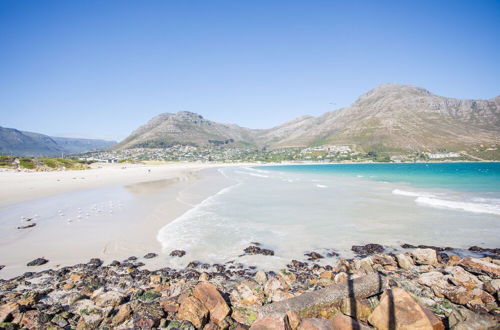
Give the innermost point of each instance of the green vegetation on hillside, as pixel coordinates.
(40, 164)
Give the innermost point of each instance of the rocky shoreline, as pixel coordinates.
(424, 287)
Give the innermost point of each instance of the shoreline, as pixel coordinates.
(17, 187)
(430, 286)
(130, 230)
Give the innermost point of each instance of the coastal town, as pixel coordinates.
(325, 153)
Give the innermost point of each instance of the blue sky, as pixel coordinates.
(102, 68)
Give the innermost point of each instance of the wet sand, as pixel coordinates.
(97, 217)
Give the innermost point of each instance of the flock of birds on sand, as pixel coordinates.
(107, 207)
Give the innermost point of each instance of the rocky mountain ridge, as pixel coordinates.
(20, 143)
(390, 117)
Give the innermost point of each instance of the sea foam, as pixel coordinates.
(460, 205)
(411, 193)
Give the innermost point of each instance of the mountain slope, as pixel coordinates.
(187, 128)
(397, 117)
(77, 145)
(390, 117)
(15, 142)
(19, 143)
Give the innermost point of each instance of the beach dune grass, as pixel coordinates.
(40, 164)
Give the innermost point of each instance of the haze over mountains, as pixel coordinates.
(390, 117)
(20, 143)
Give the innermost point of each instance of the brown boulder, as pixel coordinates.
(343, 322)
(270, 323)
(316, 324)
(404, 261)
(425, 256)
(398, 310)
(461, 277)
(6, 311)
(31, 320)
(481, 266)
(192, 310)
(359, 309)
(207, 293)
(123, 314)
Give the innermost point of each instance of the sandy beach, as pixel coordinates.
(111, 211)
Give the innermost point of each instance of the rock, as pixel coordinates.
(260, 277)
(343, 322)
(313, 256)
(37, 262)
(150, 255)
(59, 321)
(356, 308)
(178, 253)
(31, 320)
(473, 298)
(272, 285)
(192, 310)
(365, 265)
(280, 295)
(258, 250)
(210, 297)
(27, 226)
(6, 311)
(76, 277)
(147, 316)
(492, 286)
(176, 325)
(398, 310)
(122, 315)
(461, 277)
(480, 266)
(110, 298)
(68, 286)
(155, 279)
(341, 277)
(383, 259)
(293, 320)
(425, 256)
(2, 267)
(326, 275)
(464, 319)
(247, 293)
(203, 277)
(309, 302)
(367, 249)
(404, 261)
(316, 324)
(483, 250)
(270, 323)
(297, 264)
(95, 262)
(246, 316)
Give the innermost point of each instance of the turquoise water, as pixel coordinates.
(481, 177)
(294, 209)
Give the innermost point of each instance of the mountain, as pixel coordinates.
(397, 118)
(19, 143)
(77, 145)
(391, 117)
(187, 128)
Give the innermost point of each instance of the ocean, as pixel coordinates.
(295, 209)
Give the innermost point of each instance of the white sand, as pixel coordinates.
(22, 186)
(126, 205)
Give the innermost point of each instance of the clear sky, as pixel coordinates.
(102, 68)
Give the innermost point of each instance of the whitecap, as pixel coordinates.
(460, 205)
(321, 186)
(412, 193)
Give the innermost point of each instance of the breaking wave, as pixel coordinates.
(460, 205)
